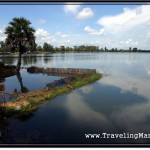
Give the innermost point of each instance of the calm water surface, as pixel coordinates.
(117, 103)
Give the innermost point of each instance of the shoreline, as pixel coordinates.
(33, 53)
(28, 102)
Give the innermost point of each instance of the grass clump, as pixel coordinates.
(81, 81)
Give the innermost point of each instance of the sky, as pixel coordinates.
(70, 24)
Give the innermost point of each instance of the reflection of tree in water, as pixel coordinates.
(23, 88)
(33, 59)
(9, 61)
(4, 121)
(29, 60)
(63, 57)
(2, 80)
(47, 59)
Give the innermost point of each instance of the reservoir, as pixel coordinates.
(118, 103)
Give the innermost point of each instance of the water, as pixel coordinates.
(117, 103)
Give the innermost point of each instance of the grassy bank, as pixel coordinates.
(27, 103)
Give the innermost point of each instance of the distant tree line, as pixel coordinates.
(62, 49)
(49, 48)
(4, 48)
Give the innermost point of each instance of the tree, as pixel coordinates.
(63, 48)
(30, 48)
(3, 47)
(101, 49)
(47, 47)
(130, 49)
(106, 49)
(39, 48)
(112, 49)
(68, 49)
(19, 35)
(2, 44)
(51, 48)
(75, 48)
(57, 49)
(135, 49)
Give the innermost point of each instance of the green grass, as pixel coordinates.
(81, 81)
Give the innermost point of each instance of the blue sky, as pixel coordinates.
(118, 26)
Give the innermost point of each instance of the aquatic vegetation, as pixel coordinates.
(26, 103)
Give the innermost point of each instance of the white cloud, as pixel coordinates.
(43, 36)
(68, 41)
(41, 33)
(58, 33)
(41, 21)
(95, 43)
(64, 42)
(129, 19)
(65, 35)
(147, 23)
(128, 43)
(93, 31)
(125, 29)
(62, 35)
(86, 13)
(120, 44)
(146, 39)
(2, 35)
(57, 39)
(71, 7)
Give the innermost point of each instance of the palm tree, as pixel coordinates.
(19, 35)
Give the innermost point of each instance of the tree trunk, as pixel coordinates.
(19, 62)
(20, 81)
(22, 87)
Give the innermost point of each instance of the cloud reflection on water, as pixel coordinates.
(82, 113)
